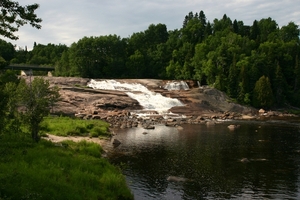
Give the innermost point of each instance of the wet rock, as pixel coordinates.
(116, 142)
(170, 124)
(245, 160)
(148, 126)
(233, 127)
(210, 123)
(261, 111)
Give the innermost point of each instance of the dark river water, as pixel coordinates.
(207, 161)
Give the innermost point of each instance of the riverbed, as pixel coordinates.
(257, 160)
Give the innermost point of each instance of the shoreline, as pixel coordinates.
(107, 143)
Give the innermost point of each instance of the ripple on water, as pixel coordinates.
(210, 157)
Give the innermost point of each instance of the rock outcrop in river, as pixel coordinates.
(116, 107)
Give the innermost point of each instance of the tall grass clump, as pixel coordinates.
(64, 126)
(30, 170)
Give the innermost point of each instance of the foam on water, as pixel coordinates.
(176, 85)
(149, 100)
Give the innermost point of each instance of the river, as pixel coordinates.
(206, 161)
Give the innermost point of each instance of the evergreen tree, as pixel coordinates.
(262, 93)
(280, 88)
(254, 31)
(232, 85)
(297, 74)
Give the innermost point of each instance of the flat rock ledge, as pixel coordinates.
(203, 105)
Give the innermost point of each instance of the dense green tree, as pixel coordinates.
(290, 32)
(7, 53)
(154, 35)
(232, 84)
(97, 57)
(13, 16)
(262, 93)
(254, 31)
(223, 24)
(188, 18)
(7, 50)
(202, 18)
(3, 63)
(267, 28)
(208, 30)
(20, 56)
(48, 54)
(280, 87)
(198, 61)
(135, 64)
(297, 74)
(244, 90)
(8, 100)
(157, 61)
(3, 103)
(62, 67)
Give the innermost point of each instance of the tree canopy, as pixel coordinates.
(224, 53)
(13, 16)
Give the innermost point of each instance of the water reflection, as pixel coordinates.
(210, 159)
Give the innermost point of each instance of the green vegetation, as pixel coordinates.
(64, 126)
(25, 104)
(30, 170)
(262, 94)
(13, 16)
(224, 53)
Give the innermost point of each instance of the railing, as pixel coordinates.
(30, 67)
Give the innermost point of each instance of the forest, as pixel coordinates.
(256, 65)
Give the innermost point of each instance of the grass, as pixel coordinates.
(66, 126)
(30, 170)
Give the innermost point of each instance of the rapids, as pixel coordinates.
(148, 100)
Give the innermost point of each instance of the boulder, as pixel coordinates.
(233, 127)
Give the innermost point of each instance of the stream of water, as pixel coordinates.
(147, 99)
(207, 161)
(259, 160)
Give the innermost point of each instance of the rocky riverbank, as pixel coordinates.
(201, 104)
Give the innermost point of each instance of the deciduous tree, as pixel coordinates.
(13, 16)
(37, 98)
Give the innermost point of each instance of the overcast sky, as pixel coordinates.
(67, 21)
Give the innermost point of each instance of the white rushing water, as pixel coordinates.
(149, 100)
(176, 85)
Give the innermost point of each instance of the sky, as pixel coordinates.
(67, 21)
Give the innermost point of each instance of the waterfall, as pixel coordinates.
(176, 85)
(147, 99)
